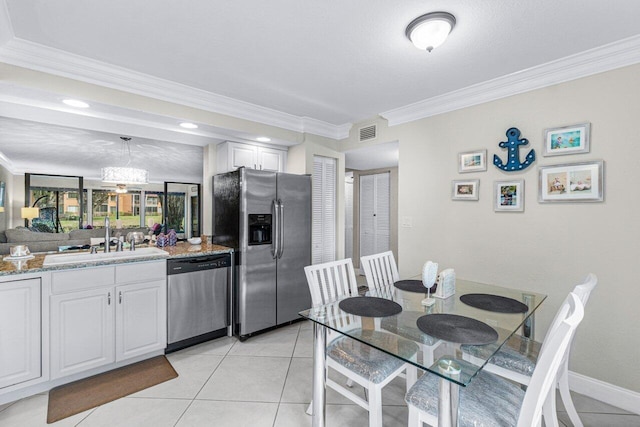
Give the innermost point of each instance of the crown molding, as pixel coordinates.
(318, 127)
(37, 57)
(7, 164)
(605, 58)
(6, 29)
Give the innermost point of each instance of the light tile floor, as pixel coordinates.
(264, 381)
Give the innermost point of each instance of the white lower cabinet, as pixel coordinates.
(95, 327)
(20, 331)
(82, 331)
(141, 325)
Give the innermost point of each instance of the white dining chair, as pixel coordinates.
(359, 362)
(516, 360)
(490, 400)
(380, 270)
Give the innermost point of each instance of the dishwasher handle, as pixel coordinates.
(187, 265)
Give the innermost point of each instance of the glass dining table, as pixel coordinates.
(448, 360)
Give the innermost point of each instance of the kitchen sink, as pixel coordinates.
(84, 257)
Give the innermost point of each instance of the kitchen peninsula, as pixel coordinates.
(60, 323)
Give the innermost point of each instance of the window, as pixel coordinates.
(153, 208)
(56, 197)
(123, 207)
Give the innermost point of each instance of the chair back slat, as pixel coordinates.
(331, 281)
(380, 269)
(544, 376)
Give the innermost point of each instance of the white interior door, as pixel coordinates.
(375, 227)
(323, 234)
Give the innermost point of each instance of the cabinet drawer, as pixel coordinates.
(141, 271)
(82, 278)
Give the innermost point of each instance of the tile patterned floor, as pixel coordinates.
(264, 381)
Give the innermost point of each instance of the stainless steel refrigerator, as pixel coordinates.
(266, 217)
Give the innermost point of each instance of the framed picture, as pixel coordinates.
(2, 188)
(508, 196)
(472, 161)
(572, 182)
(566, 140)
(465, 190)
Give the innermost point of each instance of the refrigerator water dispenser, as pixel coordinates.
(259, 229)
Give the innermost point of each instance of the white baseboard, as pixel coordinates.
(608, 393)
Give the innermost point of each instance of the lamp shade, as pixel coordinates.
(429, 31)
(29, 213)
(124, 175)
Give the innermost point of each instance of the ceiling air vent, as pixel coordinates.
(368, 133)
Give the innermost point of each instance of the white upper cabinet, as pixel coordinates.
(232, 155)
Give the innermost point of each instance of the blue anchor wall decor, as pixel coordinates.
(513, 158)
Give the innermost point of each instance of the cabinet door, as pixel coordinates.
(20, 327)
(141, 312)
(271, 160)
(243, 155)
(82, 331)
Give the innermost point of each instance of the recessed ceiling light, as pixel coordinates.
(75, 103)
(263, 139)
(188, 125)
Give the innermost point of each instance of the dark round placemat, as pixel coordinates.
(459, 329)
(370, 306)
(413, 286)
(494, 303)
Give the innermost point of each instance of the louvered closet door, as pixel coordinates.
(374, 216)
(324, 210)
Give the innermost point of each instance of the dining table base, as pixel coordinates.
(319, 375)
(448, 398)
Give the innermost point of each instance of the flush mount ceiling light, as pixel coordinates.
(263, 139)
(75, 103)
(125, 174)
(188, 125)
(429, 31)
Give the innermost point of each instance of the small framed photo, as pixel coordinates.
(572, 182)
(566, 140)
(472, 161)
(508, 196)
(465, 190)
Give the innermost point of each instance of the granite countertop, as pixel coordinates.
(34, 265)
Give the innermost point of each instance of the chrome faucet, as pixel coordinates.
(107, 235)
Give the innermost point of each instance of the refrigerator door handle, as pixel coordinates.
(275, 230)
(281, 228)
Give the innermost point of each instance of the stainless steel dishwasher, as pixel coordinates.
(198, 299)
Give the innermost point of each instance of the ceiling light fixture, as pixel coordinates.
(263, 139)
(429, 31)
(75, 103)
(125, 174)
(121, 188)
(188, 125)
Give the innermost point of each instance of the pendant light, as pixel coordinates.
(123, 175)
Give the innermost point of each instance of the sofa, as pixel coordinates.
(46, 242)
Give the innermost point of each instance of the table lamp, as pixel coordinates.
(29, 213)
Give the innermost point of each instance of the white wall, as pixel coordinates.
(549, 247)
